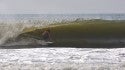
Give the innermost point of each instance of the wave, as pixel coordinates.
(11, 29)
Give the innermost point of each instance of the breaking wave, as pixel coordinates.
(13, 25)
(9, 30)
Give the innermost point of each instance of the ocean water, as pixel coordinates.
(11, 25)
(62, 59)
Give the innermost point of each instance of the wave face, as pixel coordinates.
(11, 25)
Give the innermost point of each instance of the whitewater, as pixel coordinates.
(10, 29)
(62, 59)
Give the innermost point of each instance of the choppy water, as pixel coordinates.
(62, 59)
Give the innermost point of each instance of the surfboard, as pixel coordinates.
(46, 43)
(49, 42)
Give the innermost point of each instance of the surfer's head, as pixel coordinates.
(48, 30)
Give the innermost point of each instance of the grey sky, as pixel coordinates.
(62, 6)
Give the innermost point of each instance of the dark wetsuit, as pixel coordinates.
(46, 36)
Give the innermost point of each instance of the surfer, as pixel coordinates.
(46, 35)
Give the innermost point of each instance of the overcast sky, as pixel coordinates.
(61, 6)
